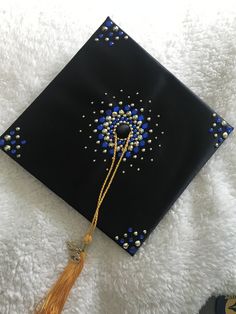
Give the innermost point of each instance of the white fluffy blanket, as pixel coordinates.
(191, 254)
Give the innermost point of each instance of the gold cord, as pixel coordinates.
(104, 189)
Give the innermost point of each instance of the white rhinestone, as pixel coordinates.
(116, 237)
(214, 114)
(106, 39)
(225, 135)
(137, 243)
(7, 137)
(144, 231)
(96, 39)
(126, 37)
(17, 128)
(135, 233)
(18, 155)
(224, 123)
(7, 148)
(125, 245)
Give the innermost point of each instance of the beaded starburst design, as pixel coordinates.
(121, 116)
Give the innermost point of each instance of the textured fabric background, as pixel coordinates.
(191, 254)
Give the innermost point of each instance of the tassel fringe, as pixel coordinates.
(57, 296)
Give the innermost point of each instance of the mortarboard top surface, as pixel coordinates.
(65, 138)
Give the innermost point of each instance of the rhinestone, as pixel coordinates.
(137, 243)
(149, 141)
(17, 128)
(159, 145)
(101, 111)
(7, 148)
(131, 165)
(151, 159)
(123, 171)
(162, 132)
(96, 39)
(104, 28)
(138, 169)
(125, 235)
(148, 119)
(225, 135)
(106, 39)
(149, 101)
(115, 28)
(90, 136)
(110, 105)
(144, 231)
(104, 151)
(18, 155)
(215, 135)
(214, 124)
(117, 38)
(95, 130)
(135, 156)
(85, 147)
(140, 100)
(142, 109)
(224, 123)
(96, 120)
(18, 146)
(143, 149)
(80, 131)
(214, 114)
(98, 142)
(116, 237)
(135, 233)
(216, 145)
(125, 245)
(156, 124)
(158, 116)
(94, 160)
(7, 137)
(95, 150)
(150, 131)
(126, 37)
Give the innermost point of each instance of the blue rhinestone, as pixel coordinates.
(132, 249)
(145, 125)
(211, 130)
(218, 120)
(141, 117)
(110, 34)
(12, 132)
(145, 135)
(127, 108)
(102, 119)
(121, 33)
(131, 240)
(100, 136)
(2, 142)
(104, 144)
(134, 111)
(13, 142)
(108, 112)
(136, 149)
(133, 138)
(130, 229)
(122, 241)
(141, 237)
(142, 143)
(100, 35)
(229, 129)
(13, 151)
(127, 154)
(122, 118)
(220, 130)
(220, 140)
(108, 23)
(135, 130)
(111, 43)
(111, 151)
(23, 142)
(116, 108)
(120, 142)
(100, 127)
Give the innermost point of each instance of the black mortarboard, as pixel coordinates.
(66, 137)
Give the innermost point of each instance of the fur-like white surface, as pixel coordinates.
(191, 254)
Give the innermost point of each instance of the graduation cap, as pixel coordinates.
(117, 137)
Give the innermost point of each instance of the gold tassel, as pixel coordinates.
(57, 296)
